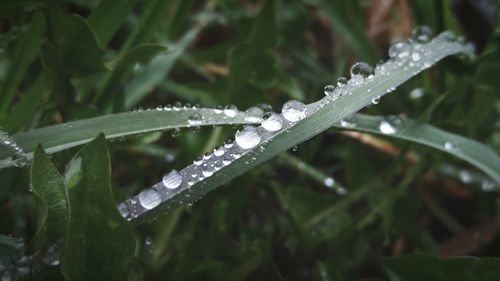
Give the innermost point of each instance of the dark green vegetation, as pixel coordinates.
(409, 209)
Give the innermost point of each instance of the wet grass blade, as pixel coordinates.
(63, 136)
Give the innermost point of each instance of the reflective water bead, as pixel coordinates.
(230, 110)
(229, 143)
(207, 155)
(195, 119)
(172, 180)
(177, 106)
(328, 90)
(149, 198)
(376, 100)
(227, 159)
(341, 81)
(198, 161)
(273, 123)
(361, 68)
(421, 34)
(254, 114)
(390, 125)
(294, 111)
(248, 137)
(450, 145)
(207, 170)
(219, 151)
(416, 93)
(123, 208)
(329, 182)
(218, 109)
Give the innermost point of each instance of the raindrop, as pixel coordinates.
(123, 208)
(416, 93)
(448, 35)
(273, 123)
(207, 170)
(294, 111)
(172, 180)
(248, 137)
(227, 159)
(348, 122)
(219, 151)
(207, 155)
(195, 119)
(229, 143)
(218, 109)
(399, 50)
(230, 110)
(328, 90)
(198, 161)
(254, 114)
(149, 198)
(450, 145)
(342, 81)
(329, 182)
(415, 56)
(421, 34)
(177, 106)
(390, 125)
(362, 69)
(265, 107)
(376, 100)
(50, 256)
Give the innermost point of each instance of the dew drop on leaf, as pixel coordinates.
(421, 34)
(195, 119)
(362, 69)
(230, 110)
(149, 198)
(294, 111)
(390, 125)
(172, 180)
(328, 90)
(273, 122)
(248, 137)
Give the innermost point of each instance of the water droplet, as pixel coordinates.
(341, 191)
(421, 34)
(465, 176)
(349, 122)
(172, 180)
(362, 69)
(219, 151)
(218, 109)
(177, 132)
(207, 170)
(265, 107)
(167, 107)
(198, 161)
(294, 111)
(149, 198)
(123, 208)
(248, 137)
(329, 182)
(254, 114)
(342, 81)
(416, 56)
(207, 155)
(177, 106)
(488, 185)
(195, 119)
(390, 125)
(328, 90)
(448, 35)
(399, 50)
(450, 145)
(376, 100)
(230, 110)
(229, 143)
(416, 93)
(273, 123)
(227, 159)
(19, 159)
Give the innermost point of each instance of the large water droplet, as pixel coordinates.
(376, 100)
(294, 111)
(195, 119)
(254, 114)
(341, 81)
(124, 210)
(329, 182)
(421, 34)
(399, 50)
(149, 198)
(198, 161)
(273, 123)
(230, 110)
(362, 69)
(50, 256)
(219, 151)
(390, 125)
(248, 137)
(172, 180)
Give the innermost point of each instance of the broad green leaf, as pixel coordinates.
(99, 244)
(431, 268)
(26, 54)
(63, 136)
(53, 209)
(322, 114)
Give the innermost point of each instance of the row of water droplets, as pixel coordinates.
(19, 157)
(411, 55)
(206, 165)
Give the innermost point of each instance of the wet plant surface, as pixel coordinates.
(251, 140)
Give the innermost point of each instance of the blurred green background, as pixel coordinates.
(75, 59)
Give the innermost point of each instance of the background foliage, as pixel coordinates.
(399, 219)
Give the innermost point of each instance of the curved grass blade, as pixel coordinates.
(63, 136)
(198, 179)
(469, 150)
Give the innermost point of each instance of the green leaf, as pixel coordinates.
(63, 136)
(25, 56)
(18, 7)
(52, 203)
(78, 60)
(431, 268)
(99, 244)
